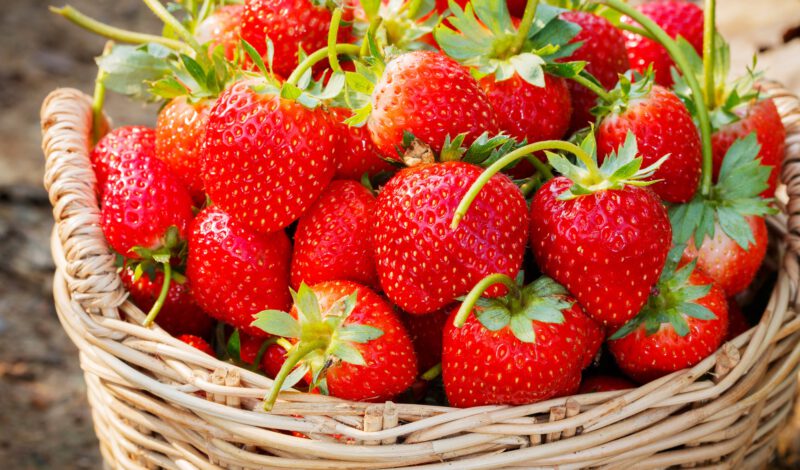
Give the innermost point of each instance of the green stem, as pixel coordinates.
(413, 8)
(319, 55)
(303, 349)
(635, 30)
(529, 186)
(543, 169)
(432, 373)
(162, 296)
(373, 27)
(709, 33)
(333, 34)
(594, 87)
(475, 294)
(511, 157)
(99, 98)
(162, 13)
(117, 34)
(205, 10)
(525, 26)
(683, 65)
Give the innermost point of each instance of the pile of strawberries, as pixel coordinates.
(389, 199)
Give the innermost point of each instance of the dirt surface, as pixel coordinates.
(44, 419)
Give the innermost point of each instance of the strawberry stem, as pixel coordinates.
(117, 34)
(709, 33)
(301, 351)
(511, 157)
(635, 29)
(99, 97)
(683, 65)
(525, 26)
(475, 294)
(162, 296)
(162, 13)
(318, 56)
(432, 373)
(594, 87)
(333, 33)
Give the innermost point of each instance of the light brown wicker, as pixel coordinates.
(157, 402)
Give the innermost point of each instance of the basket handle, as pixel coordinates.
(788, 106)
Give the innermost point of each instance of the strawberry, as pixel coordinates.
(738, 323)
(347, 340)
(430, 96)
(603, 48)
(676, 18)
(180, 314)
(266, 158)
(236, 272)
(332, 241)
(423, 264)
(604, 383)
(197, 343)
(684, 321)
(426, 334)
(526, 347)
(121, 144)
(272, 360)
(357, 154)
(222, 29)
(600, 234)
(179, 134)
(250, 347)
(662, 126)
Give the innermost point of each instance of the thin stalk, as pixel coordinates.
(525, 25)
(709, 33)
(475, 294)
(594, 87)
(683, 65)
(205, 10)
(511, 157)
(162, 296)
(162, 13)
(635, 29)
(291, 361)
(432, 373)
(373, 27)
(117, 34)
(333, 34)
(99, 98)
(319, 55)
(543, 169)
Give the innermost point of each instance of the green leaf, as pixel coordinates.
(544, 287)
(290, 91)
(347, 353)
(307, 304)
(294, 377)
(360, 116)
(277, 323)
(253, 54)
(735, 226)
(529, 68)
(358, 333)
(371, 7)
(359, 83)
(493, 318)
(696, 311)
(234, 345)
(545, 310)
(626, 329)
(522, 328)
(130, 70)
(679, 323)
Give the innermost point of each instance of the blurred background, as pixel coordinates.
(44, 418)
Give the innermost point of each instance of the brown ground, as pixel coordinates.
(44, 419)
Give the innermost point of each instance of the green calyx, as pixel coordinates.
(399, 23)
(321, 339)
(630, 87)
(736, 195)
(674, 299)
(483, 37)
(542, 301)
(484, 151)
(198, 80)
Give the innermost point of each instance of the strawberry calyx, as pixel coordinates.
(736, 195)
(631, 87)
(320, 339)
(399, 23)
(542, 301)
(673, 299)
(484, 151)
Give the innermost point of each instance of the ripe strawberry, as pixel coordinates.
(606, 58)
(423, 264)
(683, 323)
(677, 18)
(357, 154)
(222, 29)
(737, 321)
(272, 360)
(662, 126)
(180, 314)
(347, 340)
(604, 383)
(250, 346)
(600, 235)
(332, 241)
(431, 96)
(762, 118)
(180, 130)
(235, 272)
(527, 347)
(122, 144)
(266, 158)
(426, 334)
(198, 343)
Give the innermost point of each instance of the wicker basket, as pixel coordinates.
(157, 402)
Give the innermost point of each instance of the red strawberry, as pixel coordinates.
(235, 272)
(266, 158)
(600, 235)
(683, 323)
(179, 315)
(179, 134)
(604, 383)
(357, 154)
(604, 51)
(662, 126)
(737, 322)
(527, 347)
(348, 340)
(198, 343)
(677, 18)
(426, 334)
(122, 144)
(423, 264)
(273, 359)
(762, 118)
(332, 241)
(430, 96)
(249, 347)
(222, 29)
(730, 266)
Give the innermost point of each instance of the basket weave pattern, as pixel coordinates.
(157, 402)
